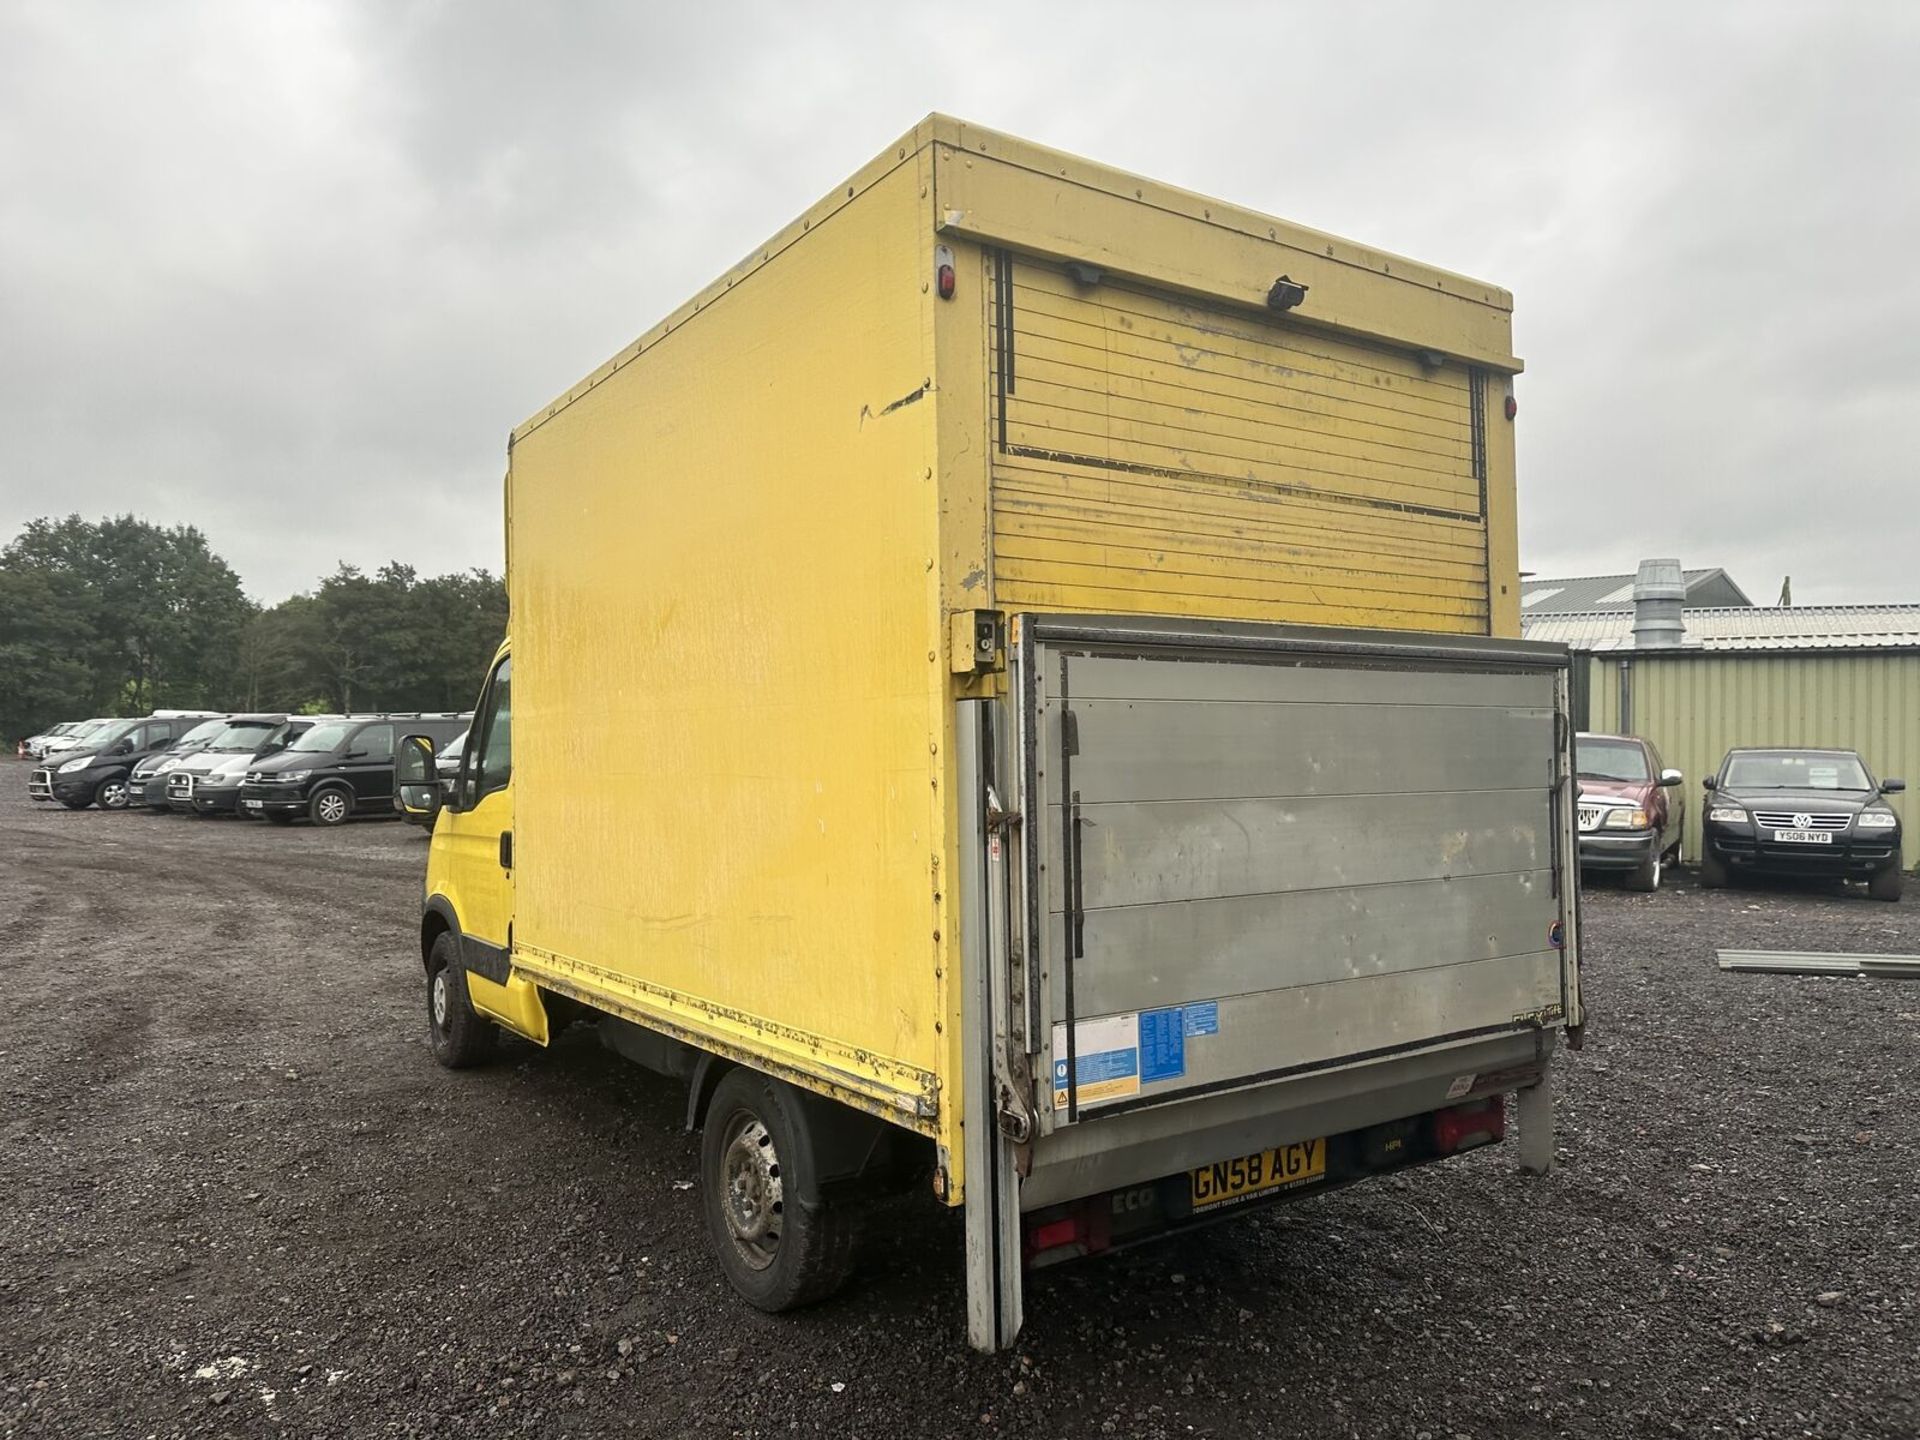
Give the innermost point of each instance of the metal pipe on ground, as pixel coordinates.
(1797, 962)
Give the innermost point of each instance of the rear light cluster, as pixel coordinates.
(1464, 1127)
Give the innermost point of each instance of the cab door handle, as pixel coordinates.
(506, 849)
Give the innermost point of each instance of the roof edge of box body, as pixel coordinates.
(1456, 316)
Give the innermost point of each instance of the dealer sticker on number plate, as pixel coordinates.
(1281, 1168)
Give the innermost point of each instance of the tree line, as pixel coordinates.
(120, 616)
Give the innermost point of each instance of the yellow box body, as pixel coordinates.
(736, 551)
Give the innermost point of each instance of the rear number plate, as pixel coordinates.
(1278, 1169)
(1803, 837)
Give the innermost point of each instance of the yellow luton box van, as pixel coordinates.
(1016, 688)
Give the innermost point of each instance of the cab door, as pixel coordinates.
(473, 852)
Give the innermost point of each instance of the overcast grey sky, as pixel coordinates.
(290, 272)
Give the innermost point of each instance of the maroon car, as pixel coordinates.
(1630, 808)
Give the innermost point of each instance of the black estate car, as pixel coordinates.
(338, 769)
(1801, 812)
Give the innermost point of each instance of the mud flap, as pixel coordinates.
(992, 1194)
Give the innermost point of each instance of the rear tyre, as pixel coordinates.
(460, 1037)
(1713, 872)
(1646, 876)
(331, 806)
(1888, 884)
(778, 1250)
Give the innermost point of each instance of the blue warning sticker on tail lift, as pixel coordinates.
(1204, 1018)
(1163, 1045)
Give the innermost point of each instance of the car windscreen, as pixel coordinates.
(1791, 770)
(87, 729)
(322, 739)
(111, 734)
(200, 735)
(242, 734)
(1611, 760)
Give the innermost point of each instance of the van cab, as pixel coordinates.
(338, 769)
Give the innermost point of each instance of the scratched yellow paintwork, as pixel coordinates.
(735, 548)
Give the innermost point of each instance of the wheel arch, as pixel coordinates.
(437, 919)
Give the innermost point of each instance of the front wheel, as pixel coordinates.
(1646, 875)
(330, 807)
(1713, 870)
(112, 795)
(779, 1249)
(460, 1037)
(1888, 883)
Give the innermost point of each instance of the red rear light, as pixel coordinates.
(1463, 1127)
(946, 282)
(1513, 407)
(1054, 1234)
(943, 273)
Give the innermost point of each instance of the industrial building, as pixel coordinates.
(1698, 680)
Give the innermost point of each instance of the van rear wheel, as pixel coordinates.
(780, 1247)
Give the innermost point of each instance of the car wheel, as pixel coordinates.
(460, 1036)
(331, 806)
(1646, 876)
(1713, 873)
(777, 1249)
(112, 795)
(1888, 884)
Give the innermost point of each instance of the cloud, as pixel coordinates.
(292, 273)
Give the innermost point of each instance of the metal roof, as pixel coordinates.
(1542, 595)
(1743, 627)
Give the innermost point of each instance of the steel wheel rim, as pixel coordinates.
(752, 1192)
(439, 998)
(332, 808)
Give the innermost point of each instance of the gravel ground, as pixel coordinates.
(240, 1199)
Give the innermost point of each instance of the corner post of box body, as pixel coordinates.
(990, 1199)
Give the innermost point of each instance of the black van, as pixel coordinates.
(338, 769)
(99, 771)
(208, 783)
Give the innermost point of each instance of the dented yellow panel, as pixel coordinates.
(730, 715)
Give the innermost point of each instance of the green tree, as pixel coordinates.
(46, 630)
(166, 612)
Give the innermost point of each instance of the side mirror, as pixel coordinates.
(1709, 783)
(1892, 787)
(1671, 777)
(416, 790)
